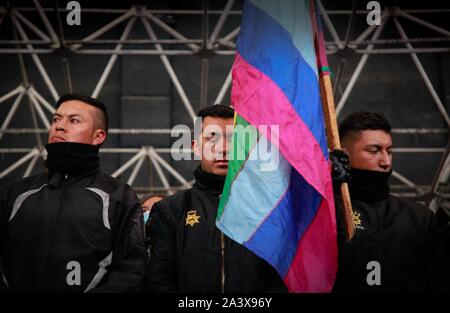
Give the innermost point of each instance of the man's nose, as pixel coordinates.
(385, 160)
(60, 125)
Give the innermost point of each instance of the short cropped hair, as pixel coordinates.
(101, 118)
(362, 120)
(217, 110)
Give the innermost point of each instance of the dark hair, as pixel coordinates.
(359, 121)
(102, 118)
(217, 110)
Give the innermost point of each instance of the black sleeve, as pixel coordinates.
(437, 259)
(127, 270)
(4, 214)
(161, 272)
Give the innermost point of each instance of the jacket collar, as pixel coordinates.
(208, 182)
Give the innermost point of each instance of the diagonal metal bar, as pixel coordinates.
(129, 163)
(168, 167)
(423, 74)
(135, 171)
(170, 70)
(47, 24)
(37, 61)
(19, 162)
(369, 30)
(39, 110)
(226, 40)
(160, 172)
(31, 26)
(104, 29)
(423, 23)
(11, 112)
(405, 180)
(12, 93)
(112, 59)
(224, 89)
(169, 30)
(220, 23)
(330, 26)
(31, 166)
(42, 100)
(359, 68)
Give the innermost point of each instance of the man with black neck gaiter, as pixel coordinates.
(73, 228)
(391, 250)
(188, 252)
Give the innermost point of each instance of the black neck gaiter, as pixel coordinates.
(369, 186)
(207, 181)
(74, 159)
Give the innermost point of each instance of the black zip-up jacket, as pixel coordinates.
(396, 233)
(186, 247)
(71, 234)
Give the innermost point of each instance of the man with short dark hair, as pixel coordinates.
(72, 229)
(391, 250)
(188, 251)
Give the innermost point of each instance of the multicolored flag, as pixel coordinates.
(278, 198)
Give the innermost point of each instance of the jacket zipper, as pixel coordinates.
(50, 252)
(380, 238)
(222, 245)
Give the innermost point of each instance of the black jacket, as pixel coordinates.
(190, 254)
(396, 233)
(53, 225)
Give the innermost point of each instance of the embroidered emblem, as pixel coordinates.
(192, 218)
(357, 220)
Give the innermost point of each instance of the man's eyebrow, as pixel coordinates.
(378, 146)
(71, 115)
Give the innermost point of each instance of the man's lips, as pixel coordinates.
(58, 139)
(221, 163)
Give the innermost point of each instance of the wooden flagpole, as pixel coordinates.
(326, 93)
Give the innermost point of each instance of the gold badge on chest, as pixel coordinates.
(192, 218)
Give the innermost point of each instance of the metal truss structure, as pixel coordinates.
(51, 38)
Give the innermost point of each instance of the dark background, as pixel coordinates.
(139, 93)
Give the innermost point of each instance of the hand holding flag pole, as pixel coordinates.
(326, 94)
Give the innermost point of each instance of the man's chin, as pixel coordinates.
(220, 170)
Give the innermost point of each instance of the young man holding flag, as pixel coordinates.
(188, 252)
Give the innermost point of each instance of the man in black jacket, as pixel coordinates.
(188, 251)
(392, 248)
(72, 229)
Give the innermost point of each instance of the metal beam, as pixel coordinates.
(12, 93)
(167, 166)
(141, 152)
(330, 26)
(160, 172)
(31, 26)
(39, 110)
(424, 75)
(360, 66)
(168, 29)
(220, 23)
(107, 27)
(423, 23)
(51, 109)
(112, 59)
(37, 61)
(170, 71)
(136, 169)
(11, 112)
(224, 89)
(47, 24)
(19, 162)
